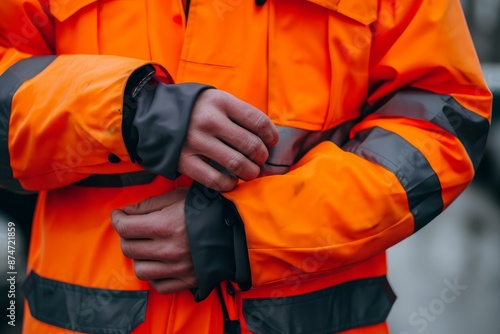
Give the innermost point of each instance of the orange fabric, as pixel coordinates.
(307, 64)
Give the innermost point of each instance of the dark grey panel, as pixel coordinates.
(410, 166)
(83, 309)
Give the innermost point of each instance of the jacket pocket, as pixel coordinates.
(319, 56)
(84, 309)
(215, 33)
(101, 27)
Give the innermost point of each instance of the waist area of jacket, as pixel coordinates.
(75, 248)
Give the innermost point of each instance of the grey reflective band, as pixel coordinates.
(339, 308)
(410, 166)
(444, 111)
(117, 180)
(10, 81)
(83, 309)
(294, 143)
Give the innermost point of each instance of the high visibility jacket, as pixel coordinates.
(383, 116)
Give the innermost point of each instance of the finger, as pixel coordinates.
(156, 203)
(243, 141)
(147, 226)
(166, 224)
(168, 251)
(197, 169)
(156, 270)
(251, 119)
(231, 160)
(119, 221)
(174, 284)
(128, 227)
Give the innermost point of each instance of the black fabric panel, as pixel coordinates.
(339, 308)
(242, 274)
(444, 111)
(217, 241)
(156, 118)
(410, 166)
(471, 128)
(83, 309)
(117, 180)
(10, 81)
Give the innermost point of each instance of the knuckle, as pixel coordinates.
(140, 272)
(205, 119)
(236, 163)
(191, 281)
(166, 254)
(253, 147)
(185, 268)
(116, 222)
(213, 180)
(186, 163)
(122, 231)
(155, 286)
(160, 288)
(220, 97)
(208, 95)
(197, 140)
(261, 121)
(127, 249)
(142, 206)
(160, 229)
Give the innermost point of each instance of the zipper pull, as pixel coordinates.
(230, 326)
(230, 289)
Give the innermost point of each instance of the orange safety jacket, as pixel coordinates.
(383, 116)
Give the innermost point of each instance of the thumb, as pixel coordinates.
(156, 203)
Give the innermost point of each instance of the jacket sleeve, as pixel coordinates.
(416, 149)
(61, 115)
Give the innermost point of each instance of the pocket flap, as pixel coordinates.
(62, 9)
(364, 12)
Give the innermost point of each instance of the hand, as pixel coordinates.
(153, 234)
(230, 132)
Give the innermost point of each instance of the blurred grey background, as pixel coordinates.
(447, 276)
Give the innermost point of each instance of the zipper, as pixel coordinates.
(230, 326)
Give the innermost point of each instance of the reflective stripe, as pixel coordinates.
(294, 143)
(410, 166)
(444, 111)
(339, 308)
(83, 309)
(10, 81)
(117, 180)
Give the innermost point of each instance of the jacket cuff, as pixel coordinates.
(217, 240)
(156, 116)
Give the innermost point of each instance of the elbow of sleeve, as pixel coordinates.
(217, 240)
